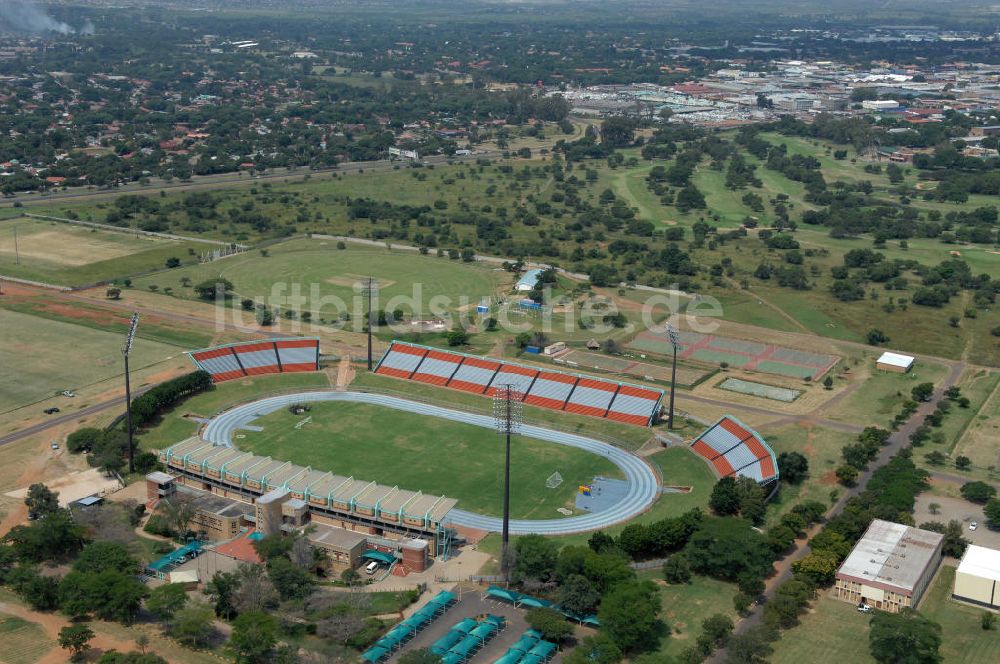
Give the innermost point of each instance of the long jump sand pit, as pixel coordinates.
(738, 353)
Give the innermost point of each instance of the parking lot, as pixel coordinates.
(960, 510)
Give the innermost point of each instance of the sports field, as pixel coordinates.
(328, 279)
(428, 454)
(42, 357)
(68, 255)
(759, 390)
(23, 642)
(738, 353)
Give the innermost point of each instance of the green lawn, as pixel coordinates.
(23, 642)
(882, 395)
(833, 632)
(685, 606)
(326, 278)
(69, 255)
(964, 641)
(42, 357)
(429, 454)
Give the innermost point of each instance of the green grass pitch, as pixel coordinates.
(428, 454)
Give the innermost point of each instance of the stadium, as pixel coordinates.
(310, 475)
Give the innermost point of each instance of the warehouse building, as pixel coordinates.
(890, 566)
(894, 362)
(977, 579)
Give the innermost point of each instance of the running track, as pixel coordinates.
(643, 484)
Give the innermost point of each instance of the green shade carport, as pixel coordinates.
(378, 556)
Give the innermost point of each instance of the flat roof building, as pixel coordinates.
(894, 362)
(977, 579)
(890, 566)
(528, 281)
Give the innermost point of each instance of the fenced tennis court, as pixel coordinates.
(687, 375)
(737, 353)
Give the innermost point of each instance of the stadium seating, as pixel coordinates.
(258, 357)
(630, 404)
(735, 450)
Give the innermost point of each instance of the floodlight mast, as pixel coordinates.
(369, 288)
(126, 349)
(507, 413)
(674, 341)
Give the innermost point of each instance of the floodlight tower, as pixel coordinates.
(370, 288)
(507, 413)
(674, 341)
(126, 348)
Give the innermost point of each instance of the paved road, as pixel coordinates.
(897, 441)
(643, 484)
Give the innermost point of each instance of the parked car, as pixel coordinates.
(54, 445)
(51, 411)
(864, 608)
(973, 525)
(68, 393)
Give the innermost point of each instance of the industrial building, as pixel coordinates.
(890, 566)
(977, 579)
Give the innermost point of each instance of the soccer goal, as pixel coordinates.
(554, 480)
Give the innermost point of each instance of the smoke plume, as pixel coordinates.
(24, 16)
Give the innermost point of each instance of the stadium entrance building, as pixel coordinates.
(890, 566)
(283, 493)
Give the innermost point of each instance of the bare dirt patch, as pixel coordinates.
(355, 280)
(65, 246)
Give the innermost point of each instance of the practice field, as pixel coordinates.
(23, 642)
(759, 390)
(328, 279)
(686, 375)
(68, 255)
(428, 454)
(738, 353)
(42, 357)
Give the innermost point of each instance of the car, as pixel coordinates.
(54, 445)
(973, 525)
(68, 393)
(51, 411)
(864, 608)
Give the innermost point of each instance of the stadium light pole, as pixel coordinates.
(507, 413)
(126, 349)
(674, 341)
(369, 288)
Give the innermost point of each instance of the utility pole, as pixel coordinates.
(126, 349)
(17, 254)
(369, 288)
(674, 341)
(507, 413)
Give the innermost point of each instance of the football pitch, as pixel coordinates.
(324, 276)
(428, 454)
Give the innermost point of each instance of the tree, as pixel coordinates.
(725, 498)
(178, 512)
(617, 131)
(978, 492)
(596, 649)
(628, 614)
(676, 569)
(536, 558)
(819, 567)
(963, 462)
(877, 337)
(751, 647)
(458, 337)
(115, 657)
(290, 581)
(847, 475)
(922, 392)
(578, 595)
(954, 544)
(105, 555)
(828, 383)
(420, 656)
(193, 625)
(254, 636)
(222, 589)
(84, 440)
(254, 591)
(166, 600)
(113, 293)
(212, 288)
(793, 467)
(715, 632)
(986, 620)
(550, 623)
(992, 512)
(41, 501)
(76, 639)
(905, 637)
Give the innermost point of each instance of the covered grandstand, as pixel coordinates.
(621, 402)
(735, 450)
(253, 358)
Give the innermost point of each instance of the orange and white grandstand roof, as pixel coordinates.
(252, 358)
(736, 450)
(557, 390)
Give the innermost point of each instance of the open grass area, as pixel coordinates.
(882, 393)
(23, 642)
(326, 281)
(979, 439)
(685, 606)
(42, 357)
(429, 454)
(68, 255)
(833, 632)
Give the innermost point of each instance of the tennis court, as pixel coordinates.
(687, 375)
(737, 353)
(759, 390)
